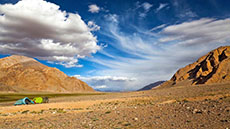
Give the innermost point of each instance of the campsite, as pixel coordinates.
(6, 97)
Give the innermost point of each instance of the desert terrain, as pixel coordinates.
(201, 106)
(122, 64)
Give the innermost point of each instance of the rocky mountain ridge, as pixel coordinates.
(211, 68)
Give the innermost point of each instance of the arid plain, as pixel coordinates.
(202, 106)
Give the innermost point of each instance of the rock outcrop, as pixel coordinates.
(211, 68)
(22, 74)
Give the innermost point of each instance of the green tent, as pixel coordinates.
(38, 99)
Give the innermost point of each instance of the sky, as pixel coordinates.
(114, 45)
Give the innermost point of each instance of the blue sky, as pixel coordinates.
(114, 45)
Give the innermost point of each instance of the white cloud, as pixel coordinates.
(37, 28)
(158, 27)
(112, 18)
(100, 87)
(161, 6)
(183, 10)
(110, 78)
(146, 6)
(68, 62)
(188, 13)
(94, 8)
(142, 14)
(93, 26)
(107, 82)
(204, 31)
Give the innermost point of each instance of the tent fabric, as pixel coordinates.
(45, 100)
(38, 100)
(24, 101)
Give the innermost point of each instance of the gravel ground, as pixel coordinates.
(186, 107)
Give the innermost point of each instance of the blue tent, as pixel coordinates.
(24, 101)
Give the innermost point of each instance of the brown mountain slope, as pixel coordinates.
(20, 73)
(211, 68)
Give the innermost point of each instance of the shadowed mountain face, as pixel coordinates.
(213, 67)
(20, 73)
(152, 85)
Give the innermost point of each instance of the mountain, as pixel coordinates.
(108, 90)
(212, 68)
(24, 74)
(152, 85)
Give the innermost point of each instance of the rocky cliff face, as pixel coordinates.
(213, 67)
(20, 73)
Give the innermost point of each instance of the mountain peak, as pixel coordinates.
(19, 57)
(213, 67)
(14, 59)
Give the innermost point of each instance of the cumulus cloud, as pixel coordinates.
(107, 82)
(93, 26)
(93, 8)
(37, 28)
(197, 32)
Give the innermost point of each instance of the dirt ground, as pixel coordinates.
(186, 107)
